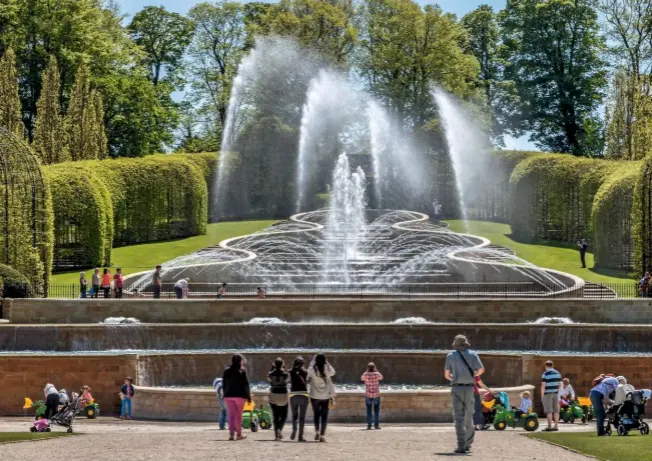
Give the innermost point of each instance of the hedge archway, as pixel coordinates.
(25, 213)
(83, 216)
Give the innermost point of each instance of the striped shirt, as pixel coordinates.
(551, 378)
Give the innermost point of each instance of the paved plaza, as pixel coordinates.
(109, 439)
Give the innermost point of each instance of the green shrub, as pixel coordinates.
(83, 216)
(13, 284)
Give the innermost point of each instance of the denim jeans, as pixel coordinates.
(375, 403)
(223, 414)
(126, 407)
(598, 410)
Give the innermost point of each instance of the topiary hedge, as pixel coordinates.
(207, 163)
(613, 243)
(13, 284)
(552, 196)
(158, 197)
(642, 217)
(83, 216)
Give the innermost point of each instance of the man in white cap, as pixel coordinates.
(462, 367)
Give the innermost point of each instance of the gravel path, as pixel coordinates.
(110, 440)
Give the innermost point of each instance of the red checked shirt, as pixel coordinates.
(371, 379)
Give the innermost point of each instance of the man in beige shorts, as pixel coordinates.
(550, 385)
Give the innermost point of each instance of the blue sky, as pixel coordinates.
(459, 7)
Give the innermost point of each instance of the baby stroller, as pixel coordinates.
(65, 417)
(629, 415)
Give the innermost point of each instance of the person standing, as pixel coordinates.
(222, 291)
(462, 366)
(51, 395)
(118, 282)
(156, 283)
(181, 289)
(551, 384)
(298, 398)
(83, 284)
(127, 391)
(278, 396)
(236, 391)
(219, 391)
(96, 280)
(478, 415)
(599, 395)
(583, 247)
(322, 393)
(371, 378)
(106, 283)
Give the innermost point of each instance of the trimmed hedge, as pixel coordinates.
(13, 284)
(83, 216)
(207, 163)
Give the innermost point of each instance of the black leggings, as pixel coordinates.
(280, 415)
(320, 412)
(299, 407)
(51, 405)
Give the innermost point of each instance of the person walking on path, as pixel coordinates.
(222, 291)
(219, 391)
(551, 384)
(462, 366)
(118, 282)
(127, 391)
(278, 396)
(298, 398)
(156, 283)
(371, 378)
(236, 392)
(599, 395)
(83, 284)
(322, 393)
(583, 246)
(96, 280)
(478, 415)
(106, 283)
(181, 289)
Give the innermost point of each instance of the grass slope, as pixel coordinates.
(137, 258)
(547, 254)
(634, 447)
(6, 437)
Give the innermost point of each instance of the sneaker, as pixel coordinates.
(231, 438)
(322, 439)
(301, 439)
(317, 437)
(368, 427)
(377, 428)
(280, 435)
(460, 451)
(293, 435)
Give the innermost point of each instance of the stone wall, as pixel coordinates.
(238, 336)
(396, 406)
(26, 375)
(355, 310)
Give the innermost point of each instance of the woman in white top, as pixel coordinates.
(321, 392)
(51, 400)
(566, 393)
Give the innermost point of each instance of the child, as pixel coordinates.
(371, 378)
(86, 398)
(526, 404)
(219, 390)
(260, 293)
(63, 397)
(127, 392)
(222, 291)
(566, 393)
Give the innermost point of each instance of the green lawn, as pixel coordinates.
(634, 447)
(137, 258)
(27, 436)
(547, 254)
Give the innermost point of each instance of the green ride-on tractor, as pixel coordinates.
(509, 417)
(255, 418)
(573, 412)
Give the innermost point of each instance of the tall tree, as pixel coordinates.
(99, 131)
(554, 49)
(164, 36)
(325, 26)
(80, 118)
(406, 50)
(49, 134)
(629, 30)
(500, 94)
(10, 111)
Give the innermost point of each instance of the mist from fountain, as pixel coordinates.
(468, 148)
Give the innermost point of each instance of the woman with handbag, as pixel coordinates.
(322, 393)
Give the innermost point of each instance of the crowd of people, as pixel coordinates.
(110, 285)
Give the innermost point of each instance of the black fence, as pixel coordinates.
(317, 290)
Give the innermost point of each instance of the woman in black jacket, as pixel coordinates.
(236, 392)
(298, 397)
(278, 395)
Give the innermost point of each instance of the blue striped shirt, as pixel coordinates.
(551, 378)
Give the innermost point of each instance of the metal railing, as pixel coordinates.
(316, 290)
